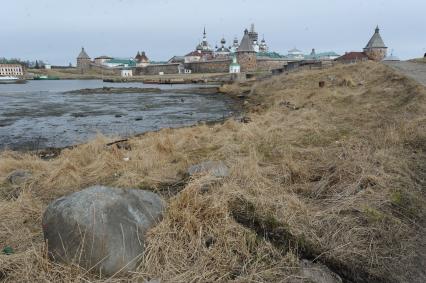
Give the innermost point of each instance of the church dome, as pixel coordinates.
(223, 49)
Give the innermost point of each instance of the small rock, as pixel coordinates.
(245, 120)
(288, 105)
(18, 177)
(101, 228)
(214, 168)
(124, 145)
(318, 273)
(210, 241)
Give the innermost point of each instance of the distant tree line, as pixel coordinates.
(27, 64)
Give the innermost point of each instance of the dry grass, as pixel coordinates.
(342, 167)
(418, 60)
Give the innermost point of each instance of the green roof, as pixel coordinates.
(330, 53)
(129, 62)
(274, 55)
(322, 54)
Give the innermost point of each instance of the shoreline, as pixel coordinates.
(109, 90)
(74, 74)
(53, 152)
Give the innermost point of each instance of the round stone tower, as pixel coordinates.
(83, 60)
(246, 55)
(376, 49)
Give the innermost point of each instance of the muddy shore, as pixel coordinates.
(109, 90)
(45, 116)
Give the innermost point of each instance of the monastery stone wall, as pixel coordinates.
(104, 69)
(247, 61)
(156, 69)
(216, 66)
(270, 64)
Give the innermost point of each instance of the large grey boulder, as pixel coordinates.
(214, 168)
(101, 228)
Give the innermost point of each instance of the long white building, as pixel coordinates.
(11, 70)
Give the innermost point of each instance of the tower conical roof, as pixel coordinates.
(83, 54)
(246, 44)
(376, 40)
(141, 57)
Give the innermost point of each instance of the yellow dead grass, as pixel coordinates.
(340, 166)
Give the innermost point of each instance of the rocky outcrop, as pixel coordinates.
(101, 228)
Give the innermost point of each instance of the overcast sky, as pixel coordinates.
(55, 30)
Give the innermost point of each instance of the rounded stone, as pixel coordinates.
(18, 177)
(214, 168)
(101, 228)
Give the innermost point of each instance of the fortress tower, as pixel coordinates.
(83, 60)
(246, 55)
(376, 49)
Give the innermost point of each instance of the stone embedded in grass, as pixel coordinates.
(101, 228)
(316, 272)
(214, 168)
(18, 177)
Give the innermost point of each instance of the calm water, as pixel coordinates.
(39, 114)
